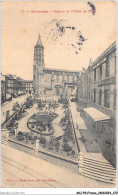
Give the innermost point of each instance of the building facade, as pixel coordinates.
(28, 86)
(104, 81)
(51, 82)
(97, 84)
(97, 98)
(13, 86)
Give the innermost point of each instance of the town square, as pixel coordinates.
(58, 122)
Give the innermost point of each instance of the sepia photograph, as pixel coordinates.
(58, 94)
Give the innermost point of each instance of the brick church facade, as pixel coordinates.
(51, 82)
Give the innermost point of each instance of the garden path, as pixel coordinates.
(58, 131)
(23, 122)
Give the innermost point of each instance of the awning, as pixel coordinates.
(95, 114)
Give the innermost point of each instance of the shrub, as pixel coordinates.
(68, 133)
(11, 124)
(56, 144)
(16, 107)
(12, 131)
(27, 139)
(73, 141)
(66, 147)
(20, 133)
(42, 140)
(20, 138)
(30, 137)
(7, 114)
(32, 141)
(27, 135)
(51, 143)
(50, 147)
(73, 153)
(35, 137)
(44, 145)
(39, 104)
(28, 98)
(57, 149)
(32, 126)
(65, 139)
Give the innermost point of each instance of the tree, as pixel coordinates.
(39, 104)
(31, 102)
(20, 133)
(68, 132)
(73, 153)
(13, 132)
(52, 138)
(50, 147)
(44, 145)
(42, 140)
(56, 145)
(32, 126)
(16, 125)
(49, 126)
(51, 143)
(66, 147)
(11, 123)
(27, 135)
(28, 98)
(7, 114)
(73, 141)
(32, 140)
(30, 137)
(65, 139)
(16, 107)
(20, 136)
(27, 138)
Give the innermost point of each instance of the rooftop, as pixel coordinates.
(111, 47)
(39, 43)
(28, 81)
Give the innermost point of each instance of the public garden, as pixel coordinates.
(49, 122)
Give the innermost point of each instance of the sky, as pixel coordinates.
(71, 34)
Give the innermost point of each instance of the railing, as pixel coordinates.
(44, 152)
(74, 132)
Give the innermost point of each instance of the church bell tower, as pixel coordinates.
(38, 66)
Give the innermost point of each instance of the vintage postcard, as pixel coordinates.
(58, 94)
